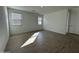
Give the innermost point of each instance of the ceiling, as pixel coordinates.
(41, 9)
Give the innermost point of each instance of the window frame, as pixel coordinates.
(16, 20)
(40, 20)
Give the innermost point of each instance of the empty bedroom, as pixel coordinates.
(39, 29)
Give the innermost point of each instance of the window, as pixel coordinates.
(39, 20)
(16, 19)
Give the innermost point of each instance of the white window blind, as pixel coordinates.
(39, 20)
(16, 19)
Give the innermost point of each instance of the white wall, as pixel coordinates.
(56, 21)
(4, 32)
(74, 25)
(29, 22)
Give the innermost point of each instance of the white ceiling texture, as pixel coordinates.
(41, 9)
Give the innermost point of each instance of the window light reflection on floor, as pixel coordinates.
(30, 40)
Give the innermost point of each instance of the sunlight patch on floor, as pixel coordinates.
(30, 40)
